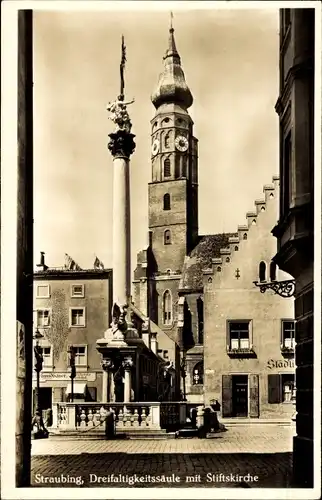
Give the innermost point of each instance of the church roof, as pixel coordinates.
(172, 87)
(200, 258)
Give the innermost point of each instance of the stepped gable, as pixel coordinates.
(224, 253)
(200, 258)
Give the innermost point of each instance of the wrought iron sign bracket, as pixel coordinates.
(283, 288)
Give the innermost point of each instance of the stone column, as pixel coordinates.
(121, 147)
(107, 394)
(127, 365)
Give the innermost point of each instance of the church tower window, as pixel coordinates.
(166, 202)
(167, 141)
(167, 168)
(167, 237)
(262, 271)
(167, 308)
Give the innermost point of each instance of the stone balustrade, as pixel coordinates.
(145, 415)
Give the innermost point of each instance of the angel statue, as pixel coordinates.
(118, 321)
(119, 114)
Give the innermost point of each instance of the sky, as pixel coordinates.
(230, 61)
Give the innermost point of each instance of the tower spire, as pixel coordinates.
(172, 87)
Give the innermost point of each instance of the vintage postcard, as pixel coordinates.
(161, 277)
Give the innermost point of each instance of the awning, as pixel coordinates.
(79, 388)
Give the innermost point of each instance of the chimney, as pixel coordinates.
(42, 266)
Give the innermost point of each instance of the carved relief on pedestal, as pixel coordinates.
(107, 364)
(127, 363)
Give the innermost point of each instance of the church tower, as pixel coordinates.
(173, 198)
(173, 192)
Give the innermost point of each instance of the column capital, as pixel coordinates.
(107, 364)
(121, 144)
(127, 363)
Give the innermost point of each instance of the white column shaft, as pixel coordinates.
(121, 232)
(127, 386)
(104, 386)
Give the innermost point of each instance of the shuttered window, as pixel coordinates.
(253, 395)
(227, 395)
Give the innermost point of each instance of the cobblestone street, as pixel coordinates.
(263, 451)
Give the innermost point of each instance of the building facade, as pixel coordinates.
(295, 228)
(249, 336)
(71, 308)
(200, 311)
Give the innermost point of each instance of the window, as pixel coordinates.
(42, 291)
(47, 356)
(166, 141)
(167, 237)
(200, 320)
(166, 202)
(272, 271)
(80, 355)
(245, 236)
(77, 316)
(43, 318)
(288, 334)
(167, 308)
(239, 335)
(167, 168)
(198, 374)
(262, 271)
(184, 166)
(77, 290)
(281, 388)
(288, 387)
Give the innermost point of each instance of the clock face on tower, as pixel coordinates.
(181, 143)
(155, 146)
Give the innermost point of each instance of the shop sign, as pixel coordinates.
(65, 376)
(280, 363)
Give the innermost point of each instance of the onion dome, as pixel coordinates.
(172, 87)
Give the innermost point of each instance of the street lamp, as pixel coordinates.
(38, 428)
(72, 353)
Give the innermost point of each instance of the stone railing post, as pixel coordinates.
(127, 365)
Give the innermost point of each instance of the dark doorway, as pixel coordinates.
(240, 396)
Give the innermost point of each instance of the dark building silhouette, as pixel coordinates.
(294, 231)
(24, 249)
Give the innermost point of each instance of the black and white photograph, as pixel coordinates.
(161, 249)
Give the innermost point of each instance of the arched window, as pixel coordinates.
(166, 141)
(167, 237)
(167, 168)
(272, 271)
(167, 308)
(200, 320)
(245, 236)
(262, 271)
(197, 375)
(166, 202)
